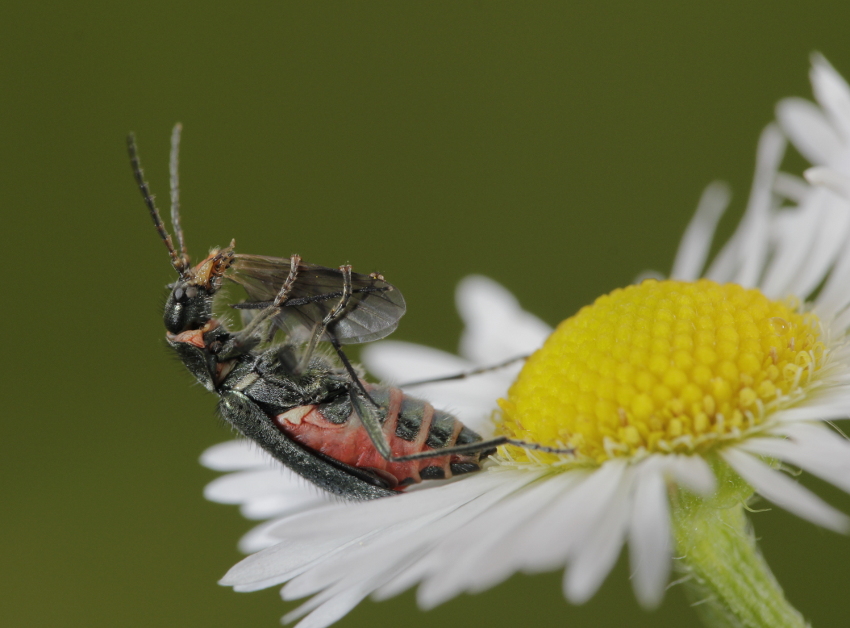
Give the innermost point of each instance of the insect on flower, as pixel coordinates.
(349, 437)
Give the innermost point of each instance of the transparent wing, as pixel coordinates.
(372, 313)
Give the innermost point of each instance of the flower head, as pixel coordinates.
(657, 390)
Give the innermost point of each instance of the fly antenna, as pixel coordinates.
(179, 264)
(173, 166)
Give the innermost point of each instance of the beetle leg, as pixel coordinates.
(374, 429)
(372, 424)
(465, 374)
(481, 446)
(355, 377)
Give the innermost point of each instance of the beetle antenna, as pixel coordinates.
(179, 264)
(173, 166)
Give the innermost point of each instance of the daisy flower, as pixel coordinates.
(681, 399)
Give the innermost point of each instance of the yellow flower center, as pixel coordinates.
(664, 366)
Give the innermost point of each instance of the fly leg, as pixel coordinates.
(374, 429)
(465, 374)
(254, 326)
(285, 289)
(326, 328)
(330, 318)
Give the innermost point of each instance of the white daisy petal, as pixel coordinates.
(694, 473)
(488, 550)
(276, 564)
(330, 606)
(823, 411)
(785, 492)
(235, 455)
(771, 149)
(548, 540)
(244, 486)
(742, 259)
(374, 559)
(811, 459)
(650, 540)
(806, 126)
(829, 178)
(488, 310)
(835, 295)
(595, 557)
(259, 538)
(395, 362)
(827, 245)
(491, 552)
(283, 503)
(695, 244)
(791, 187)
(832, 93)
(472, 400)
(818, 436)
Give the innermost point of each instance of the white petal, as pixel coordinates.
(235, 455)
(276, 564)
(472, 400)
(771, 149)
(829, 178)
(835, 295)
(258, 538)
(820, 412)
(809, 459)
(790, 186)
(693, 472)
(486, 544)
(595, 556)
(237, 488)
(832, 93)
(397, 362)
(402, 538)
(695, 243)
(283, 503)
(649, 536)
(809, 130)
(547, 542)
(336, 604)
(360, 517)
(830, 242)
(817, 436)
(785, 492)
(496, 327)
(743, 258)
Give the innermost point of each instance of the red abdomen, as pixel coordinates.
(410, 426)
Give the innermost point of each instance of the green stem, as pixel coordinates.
(728, 580)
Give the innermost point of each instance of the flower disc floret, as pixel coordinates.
(664, 366)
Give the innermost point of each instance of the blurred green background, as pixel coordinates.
(558, 147)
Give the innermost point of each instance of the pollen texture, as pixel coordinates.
(664, 366)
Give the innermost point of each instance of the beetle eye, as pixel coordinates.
(178, 293)
(191, 292)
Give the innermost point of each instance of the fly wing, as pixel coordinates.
(373, 311)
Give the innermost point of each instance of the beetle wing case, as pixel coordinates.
(334, 477)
